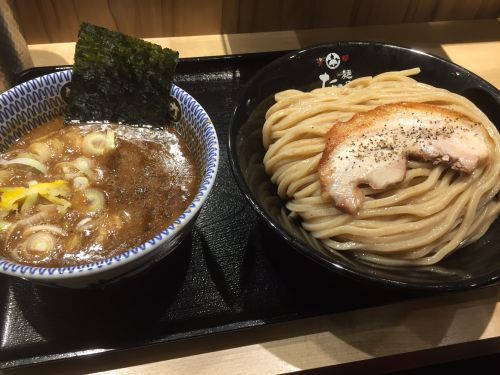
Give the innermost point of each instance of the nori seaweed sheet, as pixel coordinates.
(118, 78)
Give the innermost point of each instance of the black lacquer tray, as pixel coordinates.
(231, 272)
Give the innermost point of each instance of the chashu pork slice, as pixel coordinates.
(373, 147)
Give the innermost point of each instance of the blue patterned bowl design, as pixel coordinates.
(32, 103)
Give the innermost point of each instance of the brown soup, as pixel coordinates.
(79, 194)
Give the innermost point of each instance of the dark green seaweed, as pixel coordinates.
(118, 78)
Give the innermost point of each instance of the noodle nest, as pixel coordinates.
(431, 213)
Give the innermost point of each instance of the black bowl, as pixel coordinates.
(475, 265)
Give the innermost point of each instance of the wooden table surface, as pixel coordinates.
(391, 337)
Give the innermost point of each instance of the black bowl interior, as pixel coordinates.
(477, 264)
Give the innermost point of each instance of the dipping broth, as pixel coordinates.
(80, 194)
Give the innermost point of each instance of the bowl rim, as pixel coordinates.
(209, 172)
(316, 256)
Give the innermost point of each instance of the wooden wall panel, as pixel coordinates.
(327, 13)
(31, 23)
(380, 12)
(421, 10)
(93, 10)
(45, 21)
(487, 9)
(195, 17)
(457, 9)
(230, 16)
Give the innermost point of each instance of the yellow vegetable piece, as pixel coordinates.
(56, 200)
(58, 187)
(29, 202)
(52, 191)
(10, 196)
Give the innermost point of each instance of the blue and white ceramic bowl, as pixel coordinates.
(32, 103)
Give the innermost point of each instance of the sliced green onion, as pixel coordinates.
(94, 143)
(110, 140)
(80, 183)
(96, 200)
(40, 242)
(4, 225)
(41, 150)
(45, 228)
(26, 161)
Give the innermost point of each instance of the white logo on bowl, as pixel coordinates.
(324, 79)
(332, 60)
(344, 76)
(175, 109)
